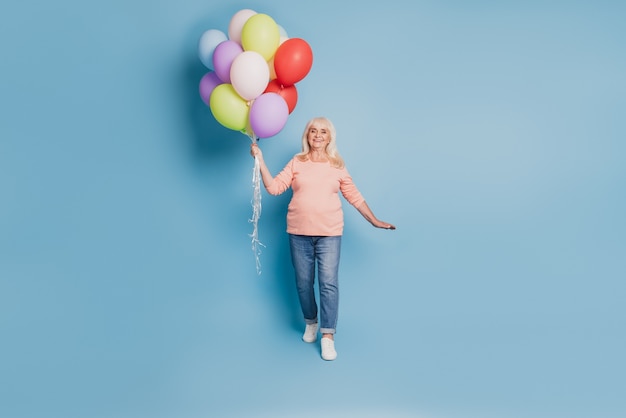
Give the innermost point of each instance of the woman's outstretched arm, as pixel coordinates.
(369, 215)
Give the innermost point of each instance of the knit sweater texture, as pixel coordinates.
(315, 207)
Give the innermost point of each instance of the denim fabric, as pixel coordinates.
(306, 252)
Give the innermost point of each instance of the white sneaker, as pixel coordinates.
(328, 349)
(310, 333)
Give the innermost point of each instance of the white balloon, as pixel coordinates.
(270, 63)
(283, 32)
(236, 24)
(207, 44)
(249, 74)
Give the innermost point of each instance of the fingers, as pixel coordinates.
(385, 225)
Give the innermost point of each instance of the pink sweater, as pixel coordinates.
(315, 207)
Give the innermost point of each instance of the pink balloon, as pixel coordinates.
(249, 74)
(207, 83)
(268, 115)
(236, 24)
(223, 57)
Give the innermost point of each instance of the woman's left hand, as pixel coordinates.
(383, 225)
(369, 215)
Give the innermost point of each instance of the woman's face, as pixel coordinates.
(318, 137)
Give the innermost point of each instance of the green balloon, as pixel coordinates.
(228, 108)
(261, 34)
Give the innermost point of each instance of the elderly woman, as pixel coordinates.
(315, 223)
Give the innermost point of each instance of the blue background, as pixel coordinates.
(491, 133)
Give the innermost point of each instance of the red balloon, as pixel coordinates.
(293, 61)
(289, 93)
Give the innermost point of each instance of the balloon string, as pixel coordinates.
(256, 211)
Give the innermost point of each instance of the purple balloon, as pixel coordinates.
(223, 57)
(207, 83)
(268, 114)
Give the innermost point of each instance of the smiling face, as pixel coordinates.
(318, 137)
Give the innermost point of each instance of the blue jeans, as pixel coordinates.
(306, 251)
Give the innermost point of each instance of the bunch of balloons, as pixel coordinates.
(250, 86)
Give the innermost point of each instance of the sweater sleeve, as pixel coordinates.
(349, 190)
(282, 181)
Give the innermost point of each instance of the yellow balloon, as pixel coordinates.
(261, 34)
(228, 108)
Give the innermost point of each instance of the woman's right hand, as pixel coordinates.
(255, 151)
